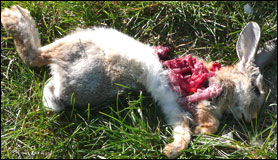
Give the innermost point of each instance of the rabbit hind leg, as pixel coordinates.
(50, 101)
(19, 23)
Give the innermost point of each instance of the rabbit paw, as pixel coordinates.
(16, 20)
(173, 150)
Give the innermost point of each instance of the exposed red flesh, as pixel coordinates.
(189, 77)
(212, 91)
(161, 51)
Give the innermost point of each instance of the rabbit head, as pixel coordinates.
(243, 88)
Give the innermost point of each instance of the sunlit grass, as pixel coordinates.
(132, 126)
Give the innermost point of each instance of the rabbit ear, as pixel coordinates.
(247, 43)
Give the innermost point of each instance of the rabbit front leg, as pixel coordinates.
(207, 122)
(182, 136)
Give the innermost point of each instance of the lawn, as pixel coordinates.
(132, 126)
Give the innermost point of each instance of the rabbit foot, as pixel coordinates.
(18, 22)
(16, 19)
(50, 101)
(173, 150)
(182, 136)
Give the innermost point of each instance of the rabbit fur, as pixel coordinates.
(87, 63)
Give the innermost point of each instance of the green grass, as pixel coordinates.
(133, 126)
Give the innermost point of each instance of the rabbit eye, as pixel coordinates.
(256, 89)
